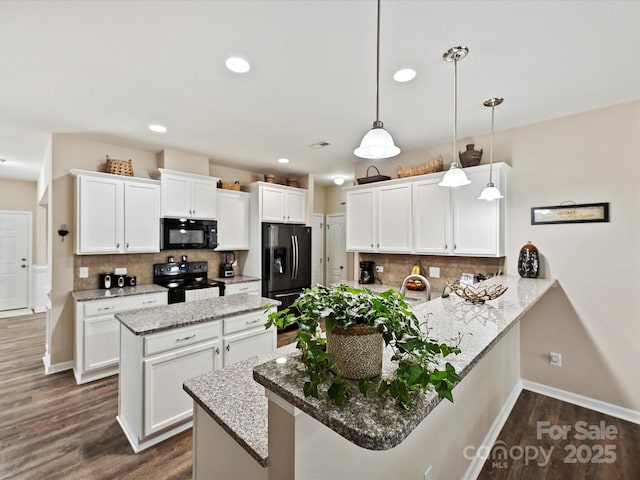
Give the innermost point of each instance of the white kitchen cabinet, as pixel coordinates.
(379, 219)
(282, 204)
(233, 220)
(116, 214)
(165, 402)
(478, 225)
(97, 333)
(186, 195)
(431, 217)
(252, 287)
(416, 215)
(152, 404)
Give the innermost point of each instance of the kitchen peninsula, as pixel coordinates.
(161, 347)
(371, 437)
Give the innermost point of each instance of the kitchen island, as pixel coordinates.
(371, 437)
(162, 347)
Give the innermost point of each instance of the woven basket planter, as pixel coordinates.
(357, 351)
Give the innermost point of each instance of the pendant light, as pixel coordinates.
(377, 143)
(490, 192)
(455, 177)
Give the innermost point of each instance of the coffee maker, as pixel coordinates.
(367, 270)
(226, 267)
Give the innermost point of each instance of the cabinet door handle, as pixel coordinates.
(103, 309)
(217, 350)
(127, 245)
(446, 245)
(228, 346)
(252, 322)
(118, 245)
(186, 338)
(149, 302)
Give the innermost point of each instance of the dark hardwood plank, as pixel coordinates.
(561, 431)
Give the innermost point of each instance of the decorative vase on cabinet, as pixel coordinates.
(529, 261)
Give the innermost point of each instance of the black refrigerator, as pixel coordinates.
(286, 261)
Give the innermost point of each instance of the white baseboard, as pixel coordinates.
(58, 367)
(490, 438)
(582, 401)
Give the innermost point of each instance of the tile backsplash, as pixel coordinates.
(140, 265)
(397, 267)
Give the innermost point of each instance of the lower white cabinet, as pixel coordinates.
(166, 404)
(152, 405)
(243, 287)
(97, 333)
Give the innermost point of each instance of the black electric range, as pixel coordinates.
(182, 277)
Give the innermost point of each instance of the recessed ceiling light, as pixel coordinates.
(237, 65)
(404, 75)
(338, 180)
(158, 128)
(283, 160)
(2, 160)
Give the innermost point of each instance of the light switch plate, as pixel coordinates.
(434, 272)
(120, 271)
(83, 272)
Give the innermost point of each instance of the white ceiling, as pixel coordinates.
(107, 69)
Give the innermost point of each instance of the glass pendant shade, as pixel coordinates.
(377, 143)
(489, 193)
(454, 177)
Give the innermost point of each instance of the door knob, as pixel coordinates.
(341, 267)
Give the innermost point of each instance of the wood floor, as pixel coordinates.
(51, 428)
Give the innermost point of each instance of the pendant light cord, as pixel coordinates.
(455, 109)
(493, 109)
(378, 64)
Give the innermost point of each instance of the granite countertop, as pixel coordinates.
(236, 279)
(237, 403)
(377, 423)
(151, 320)
(101, 293)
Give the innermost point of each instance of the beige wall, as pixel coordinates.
(595, 324)
(22, 196)
(69, 152)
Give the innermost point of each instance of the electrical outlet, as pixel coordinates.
(434, 272)
(555, 359)
(83, 272)
(379, 268)
(235, 263)
(427, 474)
(120, 271)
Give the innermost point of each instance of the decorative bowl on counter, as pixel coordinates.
(477, 294)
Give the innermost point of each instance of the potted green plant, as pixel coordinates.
(346, 310)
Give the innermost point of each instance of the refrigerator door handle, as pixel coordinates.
(293, 257)
(297, 256)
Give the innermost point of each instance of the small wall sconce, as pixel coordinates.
(63, 231)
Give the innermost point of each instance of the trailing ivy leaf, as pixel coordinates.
(363, 386)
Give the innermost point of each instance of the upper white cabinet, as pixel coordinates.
(416, 215)
(187, 195)
(233, 220)
(116, 214)
(282, 204)
(379, 219)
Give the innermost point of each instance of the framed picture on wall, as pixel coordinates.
(580, 213)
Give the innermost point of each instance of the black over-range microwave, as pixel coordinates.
(181, 233)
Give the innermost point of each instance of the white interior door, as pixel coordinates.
(317, 249)
(15, 250)
(336, 248)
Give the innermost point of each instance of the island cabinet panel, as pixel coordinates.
(116, 215)
(233, 220)
(245, 336)
(97, 333)
(188, 195)
(165, 402)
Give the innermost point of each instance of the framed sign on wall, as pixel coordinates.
(580, 213)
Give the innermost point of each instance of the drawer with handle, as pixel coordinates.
(244, 287)
(181, 337)
(246, 321)
(121, 304)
